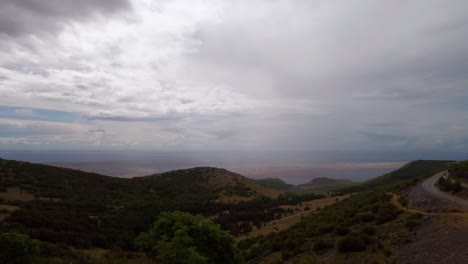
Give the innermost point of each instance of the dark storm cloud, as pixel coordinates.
(24, 17)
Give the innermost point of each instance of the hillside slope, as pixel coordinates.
(275, 183)
(406, 175)
(324, 183)
(367, 227)
(83, 209)
(228, 186)
(45, 181)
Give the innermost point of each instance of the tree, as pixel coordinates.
(18, 249)
(182, 238)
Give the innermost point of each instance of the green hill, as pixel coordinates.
(324, 183)
(365, 228)
(275, 183)
(406, 175)
(83, 209)
(69, 210)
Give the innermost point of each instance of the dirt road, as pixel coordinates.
(441, 239)
(429, 186)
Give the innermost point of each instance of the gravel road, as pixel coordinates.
(429, 186)
(436, 241)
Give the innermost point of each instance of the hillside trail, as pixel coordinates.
(442, 237)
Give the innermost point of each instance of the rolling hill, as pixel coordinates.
(324, 183)
(72, 211)
(83, 209)
(207, 184)
(275, 183)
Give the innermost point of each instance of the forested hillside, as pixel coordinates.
(72, 213)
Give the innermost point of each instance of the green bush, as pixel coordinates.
(412, 223)
(351, 244)
(386, 213)
(181, 238)
(342, 231)
(403, 201)
(322, 245)
(449, 185)
(369, 230)
(367, 217)
(18, 249)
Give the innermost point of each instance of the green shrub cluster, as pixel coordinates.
(449, 184)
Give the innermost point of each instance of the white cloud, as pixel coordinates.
(263, 74)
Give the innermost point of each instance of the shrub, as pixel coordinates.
(326, 229)
(412, 223)
(369, 230)
(18, 249)
(342, 231)
(386, 213)
(322, 245)
(365, 218)
(351, 244)
(449, 185)
(403, 201)
(179, 237)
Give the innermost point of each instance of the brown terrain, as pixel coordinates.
(300, 211)
(443, 236)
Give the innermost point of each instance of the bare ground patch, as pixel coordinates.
(442, 237)
(16, 194)
(289, 220)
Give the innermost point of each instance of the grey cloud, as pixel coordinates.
(27, 67)
(303, 74)
(362, 48)
(384, 138)
(97, 131)
(224, 134)
(135, 119)
(25, 17)
(16, 130)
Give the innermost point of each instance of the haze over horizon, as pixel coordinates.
(235, 76)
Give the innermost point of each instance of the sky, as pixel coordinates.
(305, 75)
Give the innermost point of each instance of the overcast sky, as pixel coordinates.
(234, 75)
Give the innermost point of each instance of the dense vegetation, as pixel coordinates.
(181, 238)
(242, 217)
(449, 184)
(459, 170)
(366, 228)
(73, 210)
(366, 222)
(18, 249)
(87, 210)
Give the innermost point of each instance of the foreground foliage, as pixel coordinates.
(18, 249)
(181, 238)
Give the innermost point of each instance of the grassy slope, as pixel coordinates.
(460, 170)
(90, 210)
(67, 184)
(407, 174)
(275, 184)
(95, 210)
(369, 221)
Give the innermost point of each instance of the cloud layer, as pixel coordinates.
(301, 75)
